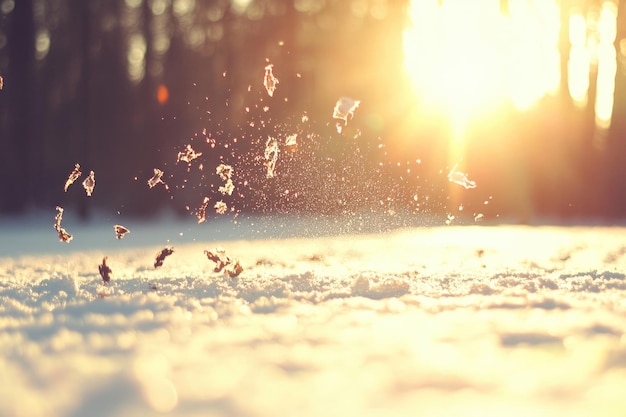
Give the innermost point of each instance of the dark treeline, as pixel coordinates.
(121, 87)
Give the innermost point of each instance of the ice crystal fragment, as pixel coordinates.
(269, 81)
(165, 252)
(63, 235)
(120, 231)
(235, 269)
(344, 110)
(74, 175)
(105, 271)
(187, 155)
(460, 178)
(220, 207)
(227, 188)
(223, 262)
(218, 255)
(291, 140)
(224, 171)
(201, 215)
(156, 178)
(89, 183)
(271, 156)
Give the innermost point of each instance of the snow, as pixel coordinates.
(446, 321)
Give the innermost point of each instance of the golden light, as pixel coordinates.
(468, 58)
(578, 65)
(472, 62)
(607, 64)
(533, 58)
(449, 52)
(477, 65)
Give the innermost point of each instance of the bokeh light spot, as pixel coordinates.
(163, 94)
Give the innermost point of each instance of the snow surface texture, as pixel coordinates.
(445, 321)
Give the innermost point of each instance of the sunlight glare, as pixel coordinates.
(535, 60)
(607, 65)
(449, 53)
(579, 61)
(467, 58)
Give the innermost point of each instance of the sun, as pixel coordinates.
(466, 59)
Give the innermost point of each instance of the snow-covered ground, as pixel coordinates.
(435, 321)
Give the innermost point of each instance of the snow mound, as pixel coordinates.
(451, 321)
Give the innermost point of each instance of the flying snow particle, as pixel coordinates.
(89, 183)
(479, 217)
(105, 271)
(271, 156)
(165, 252)
(291, 140)
(460, 178)
(220, 207)
(235, 269)
(63, 235)
(218, 255)
(120, 231)
(227, 188)
(224, 171)
(344, 109)
(201, 215)
(188, 155)
(74, 175)
(269, 81)
(156, 178)
(1, 82)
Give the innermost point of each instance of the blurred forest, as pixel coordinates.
(122, 86)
